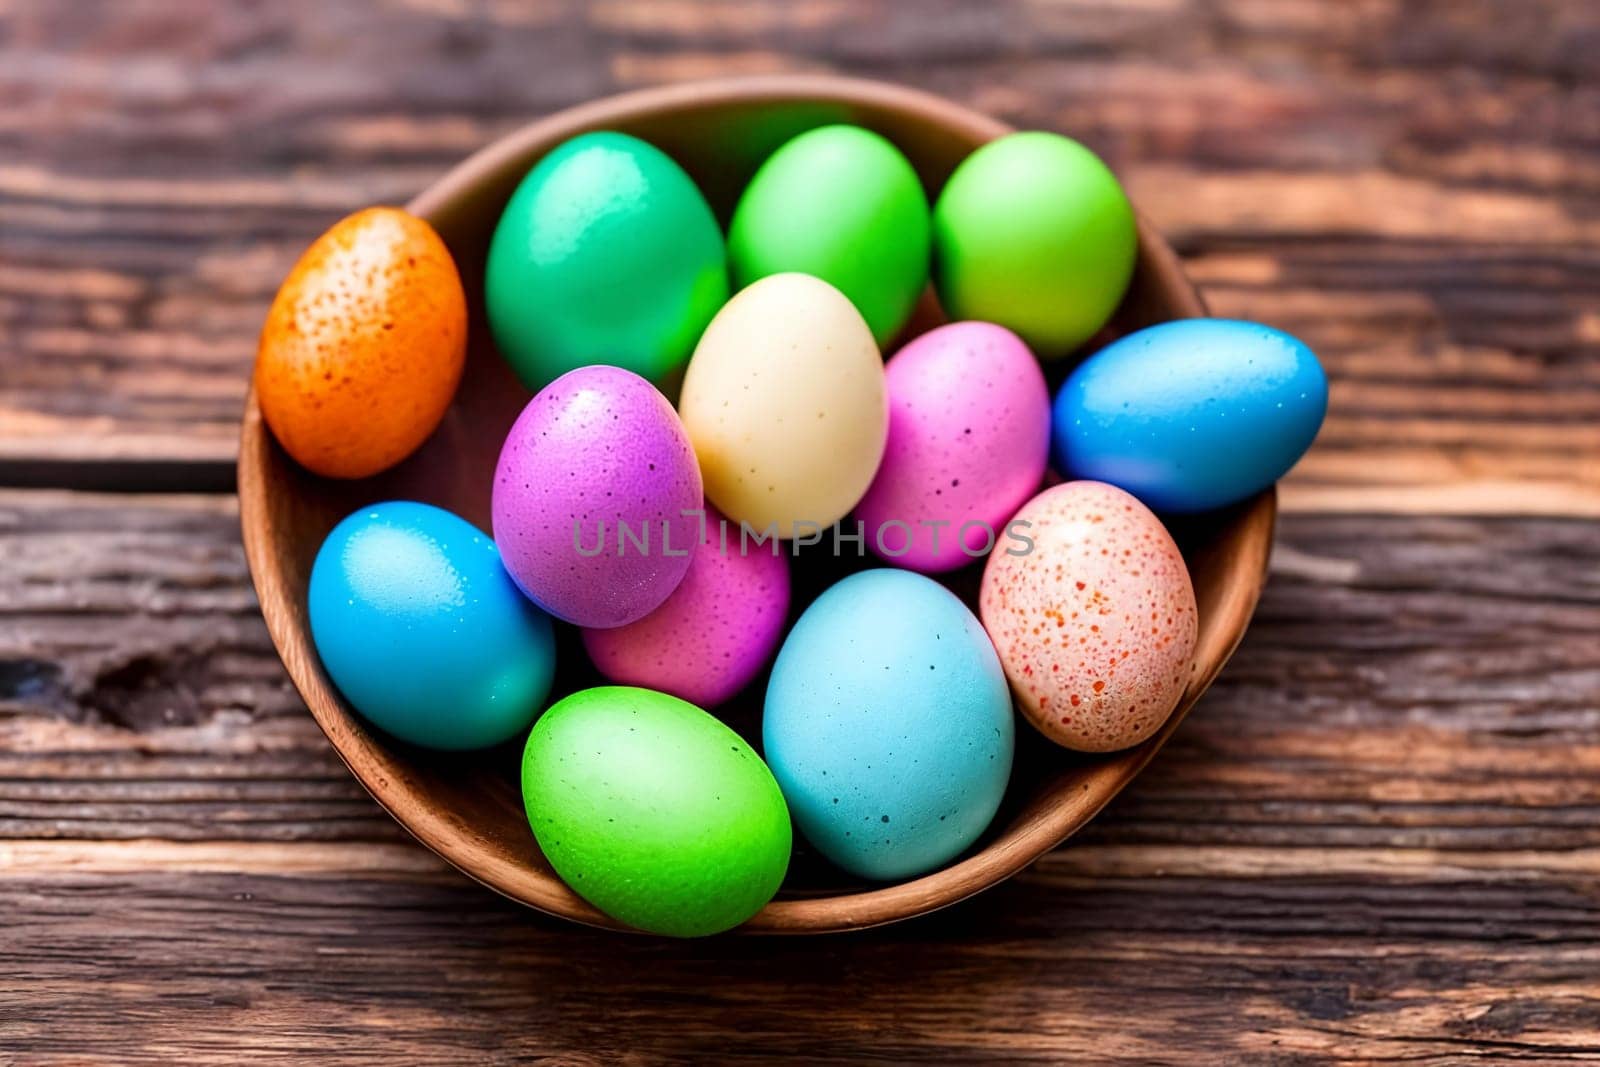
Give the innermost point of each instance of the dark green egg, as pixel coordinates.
(606, 253)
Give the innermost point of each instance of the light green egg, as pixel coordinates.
(606, 253)
(842, 204)
(654, 811)
(1034, 233)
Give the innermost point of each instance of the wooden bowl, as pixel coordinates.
(468, 808)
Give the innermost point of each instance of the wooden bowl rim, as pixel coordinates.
(992, 864)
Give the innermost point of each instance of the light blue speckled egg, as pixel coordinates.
(888, 725)
(1191, 415)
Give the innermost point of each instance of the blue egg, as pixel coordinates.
(1191, 415)
(888, 725)
(424, 632)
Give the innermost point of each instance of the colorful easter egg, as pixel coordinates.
(714, 633)
(784, 401)
(606, 253)
(1191, 415)
(1093, 615)
(422, 630)
(969, 417)
(888, 725)
(655, 812)
(363, 345)
(843, 204)
(596, 498)
(1033, 232)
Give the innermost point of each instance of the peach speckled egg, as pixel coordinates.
(363, 346)
(1096, 624)
(714, 633)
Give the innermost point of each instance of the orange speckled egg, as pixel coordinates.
(1095, 625)
(364, 345)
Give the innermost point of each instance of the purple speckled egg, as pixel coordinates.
(596, 498)
(969, 433)
(714, 633)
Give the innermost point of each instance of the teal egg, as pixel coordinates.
(606, 253)
(888, 725)
(424, 632)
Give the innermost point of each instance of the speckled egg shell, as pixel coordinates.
(606, 253)
(714, 633)
(363, 345)
(969, 430)
(1192, 414)
(888, 725)
(597, 449)
(1096, 625)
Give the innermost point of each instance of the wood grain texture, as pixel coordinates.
(1377, 837)
(1412, 187)
(1069, 963)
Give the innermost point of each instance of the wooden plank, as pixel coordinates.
(1412, 188)
(1377, 838)
(139, 693)
(1407, 683)
(1067, 963)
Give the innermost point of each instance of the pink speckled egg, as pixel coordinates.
(714, 633)
(596, 498)
(1095, 625)
(969, 431)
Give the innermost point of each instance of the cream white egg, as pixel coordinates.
(785, 404)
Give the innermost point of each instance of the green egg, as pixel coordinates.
(655, 812)
(843, 204)
(1033, 232)
(606, 253)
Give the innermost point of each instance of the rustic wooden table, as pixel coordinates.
(1377, 838)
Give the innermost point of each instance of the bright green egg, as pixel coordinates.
(606, 253)
(843, 204)
(1033, 232)
(655, 812)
